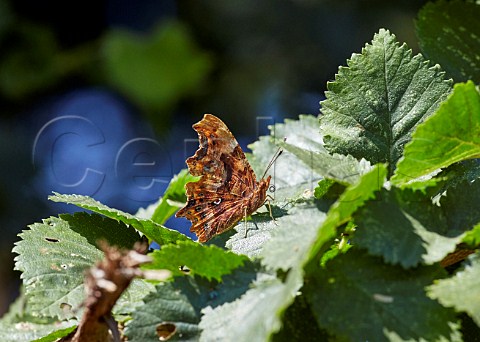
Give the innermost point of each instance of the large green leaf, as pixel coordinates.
(450, 136)
(210, 262)
(449, 34)
(152, 230)
(462, 290)
(53, 256)
(404, 227)
(375, 103)
(360, 298)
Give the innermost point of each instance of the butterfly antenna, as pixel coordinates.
(274, 158)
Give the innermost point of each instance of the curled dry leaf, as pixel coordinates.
(104, 284)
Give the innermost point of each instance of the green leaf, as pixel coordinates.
(153, 231)
(323, 188)
(448, 34)
(447, 137)
(210, 262)
(297, 230)
(54, 255)
(157, 70)
(52, 258)
(353, 198)
(375, 103)
(253, 317)
(173, 197)
(358, 297)
(404, 227)
(54, 336)
(178, 302)
(462, 290)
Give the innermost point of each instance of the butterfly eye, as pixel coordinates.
(217, 201)
(198, 208)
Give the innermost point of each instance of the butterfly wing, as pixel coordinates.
(218, 200)
(212, 213)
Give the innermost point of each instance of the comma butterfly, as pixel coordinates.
(227, 190)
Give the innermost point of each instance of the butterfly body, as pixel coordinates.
(227, 190)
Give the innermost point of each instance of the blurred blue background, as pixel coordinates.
(98, 97)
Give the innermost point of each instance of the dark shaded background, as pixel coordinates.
(89, 88)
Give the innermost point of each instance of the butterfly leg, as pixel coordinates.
(270, 208)
(245, 220)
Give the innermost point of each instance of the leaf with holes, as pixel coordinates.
(53, 256)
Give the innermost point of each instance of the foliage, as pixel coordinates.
(358, 256)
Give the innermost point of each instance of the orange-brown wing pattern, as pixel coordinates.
(222, 195)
